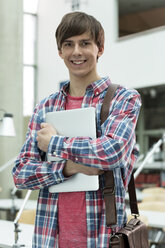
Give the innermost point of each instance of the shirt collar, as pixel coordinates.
(97, 87)
(65, 88)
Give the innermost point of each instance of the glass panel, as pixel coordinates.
(30, 6)
(154, 108)
(151, 122)
(137, 16)
(29, 39)
(28, 90)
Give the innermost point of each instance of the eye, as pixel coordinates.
(67, 44)
(85, 43)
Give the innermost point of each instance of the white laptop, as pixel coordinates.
(74, 123)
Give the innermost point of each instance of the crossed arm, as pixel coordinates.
(43, 138)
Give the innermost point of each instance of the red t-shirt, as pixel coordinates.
(72, 207)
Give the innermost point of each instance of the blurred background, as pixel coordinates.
(30, 69)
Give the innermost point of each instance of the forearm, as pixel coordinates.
(103, 153)
(31, 174)
(72, 168)
(106, 152)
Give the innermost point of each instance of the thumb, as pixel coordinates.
(43, 124)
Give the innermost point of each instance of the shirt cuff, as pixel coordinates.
(55, 146)
(54, 172)
(57, 149)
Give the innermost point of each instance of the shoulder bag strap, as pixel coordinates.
(109, 189)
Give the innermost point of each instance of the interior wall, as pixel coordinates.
(134, 61)
(137, 60)
(11, 34)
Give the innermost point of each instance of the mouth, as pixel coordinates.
(78, 62)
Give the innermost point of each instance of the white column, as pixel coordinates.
(11, 36)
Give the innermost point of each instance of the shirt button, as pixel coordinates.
(76, 159)
(54, 153)
(97, 92)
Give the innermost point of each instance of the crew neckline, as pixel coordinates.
(75, 97)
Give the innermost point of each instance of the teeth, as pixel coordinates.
(78, 62)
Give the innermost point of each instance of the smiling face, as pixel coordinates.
(80, 54)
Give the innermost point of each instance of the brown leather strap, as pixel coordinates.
(109, 190)
(132, 196)
(106, 102)
(109, 198)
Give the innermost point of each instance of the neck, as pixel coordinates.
(78, 85)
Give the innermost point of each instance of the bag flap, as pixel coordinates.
(136, 232)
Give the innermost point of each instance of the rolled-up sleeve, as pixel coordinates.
(30, 172)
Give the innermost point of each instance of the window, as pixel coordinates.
(140, 15)
(76, 4)
(151, 122)
(150, 137)
(29, 55)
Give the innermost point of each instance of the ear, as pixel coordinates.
(60, 53)
(100, 52)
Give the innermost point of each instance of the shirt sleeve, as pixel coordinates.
(30, 172)
(114, 147)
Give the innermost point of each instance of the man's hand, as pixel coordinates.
(72, 168)
(44, 135)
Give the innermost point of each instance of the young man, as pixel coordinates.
(77, 219)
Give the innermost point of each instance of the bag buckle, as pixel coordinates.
(135, 215)
(109, 190)
(114, 240)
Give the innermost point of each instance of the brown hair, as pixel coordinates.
(77, 23)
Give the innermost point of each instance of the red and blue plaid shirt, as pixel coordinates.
(114, 149)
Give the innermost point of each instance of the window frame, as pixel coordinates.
(32, 65)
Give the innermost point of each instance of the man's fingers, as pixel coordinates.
(43, 124)
(44, 135)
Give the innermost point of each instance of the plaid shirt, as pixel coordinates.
(114, 149)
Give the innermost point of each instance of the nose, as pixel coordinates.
(77, 50)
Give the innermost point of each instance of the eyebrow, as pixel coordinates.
(67, 40)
